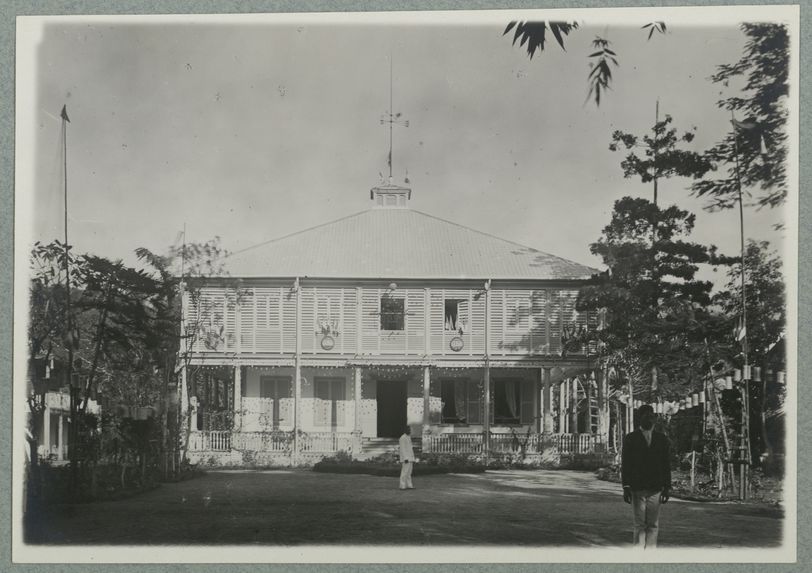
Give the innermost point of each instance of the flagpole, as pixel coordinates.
(71, 340)
(743, 333)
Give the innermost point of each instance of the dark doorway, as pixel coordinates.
(391, 408)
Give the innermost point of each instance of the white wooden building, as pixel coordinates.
(336, 337)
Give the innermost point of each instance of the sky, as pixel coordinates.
(254, 130)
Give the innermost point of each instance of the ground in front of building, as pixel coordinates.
(526, 508)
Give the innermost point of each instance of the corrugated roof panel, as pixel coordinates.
(399, 243)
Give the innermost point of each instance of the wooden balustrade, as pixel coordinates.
(453, 443)
(329, 442)
(326, 441)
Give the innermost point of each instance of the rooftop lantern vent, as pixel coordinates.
(390, 195)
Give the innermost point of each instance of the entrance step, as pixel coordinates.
(374, 447)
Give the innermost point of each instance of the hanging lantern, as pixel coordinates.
(682, 404)
(695, 399)
(737, 375)
(729, 382)
(756, 374)
(748, 375)
(701, 396)
(781, 377)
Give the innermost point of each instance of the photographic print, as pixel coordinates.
(475, 286)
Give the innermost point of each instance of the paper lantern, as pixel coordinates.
(748, 375)
(695, 399)
(780, 377)
(702, 397)
(756, 374)
(737, 375)
(729, 382)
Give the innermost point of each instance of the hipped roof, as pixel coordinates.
(399, 243)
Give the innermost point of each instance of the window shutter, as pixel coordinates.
(474, 403)
(338, 399)
(459, 398)
(463, 316)
(527, 412)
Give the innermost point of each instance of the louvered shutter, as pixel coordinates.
(527, 412)
(474, 402)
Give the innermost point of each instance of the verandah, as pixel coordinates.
(253, 408)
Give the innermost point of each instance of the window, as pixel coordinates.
(392, 313)
(277, 388)
(330, 392)
(456, 315)
(513, 401)
(461, 401)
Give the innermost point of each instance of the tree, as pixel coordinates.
(533, 36)
(662, 158)
(765, 301)
(755, 150)
(181, 272)
(657, 318)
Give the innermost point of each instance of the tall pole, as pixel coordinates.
(745, 437)
(654, 174)
(70, 338)
(391, 112)
(391, 118)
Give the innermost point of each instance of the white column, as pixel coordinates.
(46, 428)
(238, 398)
(60, 439)
(358, 399)
(184, 394)
(297, 377)
(426, 400)
(547, 407)
(486, 422)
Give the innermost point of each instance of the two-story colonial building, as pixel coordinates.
(337, 337)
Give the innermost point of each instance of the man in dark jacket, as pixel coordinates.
(646, 472)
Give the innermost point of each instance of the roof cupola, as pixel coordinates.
(389, 195)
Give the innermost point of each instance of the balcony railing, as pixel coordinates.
(330, 442)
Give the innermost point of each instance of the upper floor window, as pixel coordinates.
(393, 311)
(456, 315)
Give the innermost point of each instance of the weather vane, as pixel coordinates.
(392, 119)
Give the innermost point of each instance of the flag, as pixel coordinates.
(752, 127)
(744, 125)
(64, 113)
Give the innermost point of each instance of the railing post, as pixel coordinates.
(486, 387)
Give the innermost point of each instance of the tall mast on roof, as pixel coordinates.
(392, 118)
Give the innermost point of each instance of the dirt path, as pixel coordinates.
(538, 508)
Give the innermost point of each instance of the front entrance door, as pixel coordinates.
(391, 408)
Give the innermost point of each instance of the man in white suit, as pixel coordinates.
(406, 459)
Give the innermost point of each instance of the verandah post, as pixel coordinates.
(486, 425)
(297, 376)
(547, 412)
(426, 400)
(357, 425)
(237, 426)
